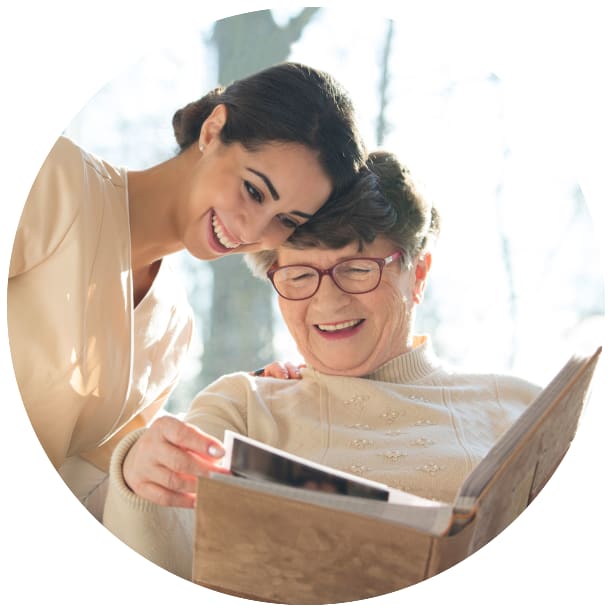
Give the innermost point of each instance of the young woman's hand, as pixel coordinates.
(280, 370)
(164, 463)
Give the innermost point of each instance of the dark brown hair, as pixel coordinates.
(289, 102)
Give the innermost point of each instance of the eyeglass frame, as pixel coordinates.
(381, 261)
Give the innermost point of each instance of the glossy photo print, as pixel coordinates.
(296, 320)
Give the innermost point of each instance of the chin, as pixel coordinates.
(345, 369)
(249, 248)
(199, 249)
(202, 255)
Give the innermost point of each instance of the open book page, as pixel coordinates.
(425, 515)
(257, 461)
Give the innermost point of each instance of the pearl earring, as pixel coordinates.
(202, 146)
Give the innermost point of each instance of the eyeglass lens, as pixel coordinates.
(352, 276)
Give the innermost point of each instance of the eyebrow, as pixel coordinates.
(267, 181)
(274, 193)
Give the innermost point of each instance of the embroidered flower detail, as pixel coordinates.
(361, 443)
(393, 455)
(418, 398)
(362, 426)
(357, 401)
(359, 469)
(423, 423)
(390, 416)
(431, 468)
(421, 442)
(394, 433)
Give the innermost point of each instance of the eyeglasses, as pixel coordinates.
(355, 275)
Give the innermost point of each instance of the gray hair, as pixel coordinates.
(385, 200)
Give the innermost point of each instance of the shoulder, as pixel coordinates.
(60, 178)
(64, 153)
(512, 396)
(498, 391)
(230, 386)
(70, 163)
(67, 178)
(500, 384)
(514, 387)
(222, 405)
(242, 388)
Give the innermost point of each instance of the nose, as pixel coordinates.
(329, 292)
(250, 228)
(264, 229)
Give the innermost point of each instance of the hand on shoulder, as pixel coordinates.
(277, 369)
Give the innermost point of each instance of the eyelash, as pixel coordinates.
(254, 194)
(288, 222)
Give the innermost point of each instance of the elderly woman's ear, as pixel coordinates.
(421, 270)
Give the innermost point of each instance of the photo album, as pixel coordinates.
(282, 529)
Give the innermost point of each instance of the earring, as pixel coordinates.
(201, 147)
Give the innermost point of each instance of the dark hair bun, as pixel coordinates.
(187, 121)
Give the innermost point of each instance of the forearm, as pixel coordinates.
(164, 535)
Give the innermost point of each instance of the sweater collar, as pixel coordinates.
(418, 362)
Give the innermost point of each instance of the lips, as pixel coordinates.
(222, 240)
(332, 327)
(340, 329)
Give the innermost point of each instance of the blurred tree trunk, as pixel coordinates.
(240, 332)
(382, 127)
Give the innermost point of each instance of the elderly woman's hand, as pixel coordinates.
(280, 370)
(164, 463)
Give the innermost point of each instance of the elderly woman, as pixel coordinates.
(373, 399)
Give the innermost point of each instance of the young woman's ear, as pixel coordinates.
(212, 126)
(421, 270)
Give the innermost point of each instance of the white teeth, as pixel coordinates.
(223, 239)
(337, 326)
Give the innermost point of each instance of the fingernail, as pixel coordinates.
(215, 451)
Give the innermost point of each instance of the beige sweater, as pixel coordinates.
(87, 363)
(412, 424)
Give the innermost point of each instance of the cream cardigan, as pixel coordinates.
(87, 363)
(412, 424)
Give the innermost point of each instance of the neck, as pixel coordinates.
(154, 197)
(416, 363)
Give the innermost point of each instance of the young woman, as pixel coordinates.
(98, 324)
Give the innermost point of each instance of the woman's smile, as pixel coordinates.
(339, 330)
(220, 239)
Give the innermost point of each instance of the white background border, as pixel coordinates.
(54, 57)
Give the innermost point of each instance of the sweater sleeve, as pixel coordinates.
(161, 534)
(222, 405)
